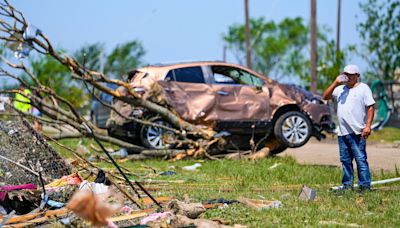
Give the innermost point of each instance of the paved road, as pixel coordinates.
(380, 156)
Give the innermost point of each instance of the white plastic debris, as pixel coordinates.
(3, 101)
(121, 153)
(274, 166)
(82, 149)
(31, 32)
(12, 132)
(22, 51)
(275, 204)
(192, 167)
(97, 188)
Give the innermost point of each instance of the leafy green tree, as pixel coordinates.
(380, 32)
(270, 41)
(51, 73)
(123, 58)
(329, 65)
(91, 56)
(283, 48)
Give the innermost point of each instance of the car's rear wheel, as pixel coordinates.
(154, 137)
(293, 129)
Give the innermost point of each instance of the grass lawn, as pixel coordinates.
(232, 179)
(387, 134)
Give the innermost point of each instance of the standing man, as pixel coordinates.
(355, 112)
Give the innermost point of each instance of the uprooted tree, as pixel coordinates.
(21, 37)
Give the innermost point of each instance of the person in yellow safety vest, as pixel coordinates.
(22, 102)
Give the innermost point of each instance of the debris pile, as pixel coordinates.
(40, 189)
(98, 203)
(37, 187)
(24, 153)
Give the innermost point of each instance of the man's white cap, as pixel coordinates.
(351, 69)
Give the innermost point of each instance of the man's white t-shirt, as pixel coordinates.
(352, 106)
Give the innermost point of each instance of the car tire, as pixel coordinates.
(293, 129)
(152, 137)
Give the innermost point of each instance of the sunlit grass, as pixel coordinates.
(387, 134)
(232, 179)
(255, 179)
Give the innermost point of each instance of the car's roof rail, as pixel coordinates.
(183, 62)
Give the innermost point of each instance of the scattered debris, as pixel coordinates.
(121, 153)
(307, 193)
(167, 173)
(260, 204)
(3, 100)
(157, 218)
(72, 179)
(220, 203)
(13, 198)
(182, 221)
(95, 206)
(190, 210)
(96, 188)
(274, 166)
(263, 153)
(192, 167)
(82, 149)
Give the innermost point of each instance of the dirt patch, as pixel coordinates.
(380, 156)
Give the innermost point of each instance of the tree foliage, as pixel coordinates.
(122, 58)
(283, 48)
(380, 32)
(270, 41)
(91, 56)
(52, 74)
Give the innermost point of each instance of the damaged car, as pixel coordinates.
(229, 98)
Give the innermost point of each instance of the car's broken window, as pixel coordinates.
(187, 74)
(222, 79)
(235, 75)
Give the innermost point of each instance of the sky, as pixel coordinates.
(174, 30)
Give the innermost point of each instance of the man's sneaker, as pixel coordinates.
(343, 188)
(346, 187)
(363, 189)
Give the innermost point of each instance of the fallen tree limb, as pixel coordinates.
(161, 153)
(27, 217)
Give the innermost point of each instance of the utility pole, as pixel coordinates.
(248, 48)
(224, 54)
(313, 85)
(338, 31)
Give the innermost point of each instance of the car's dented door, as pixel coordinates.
(193, 100)
(239, 101)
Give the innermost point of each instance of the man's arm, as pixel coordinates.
(328, 92)
(370, 116)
